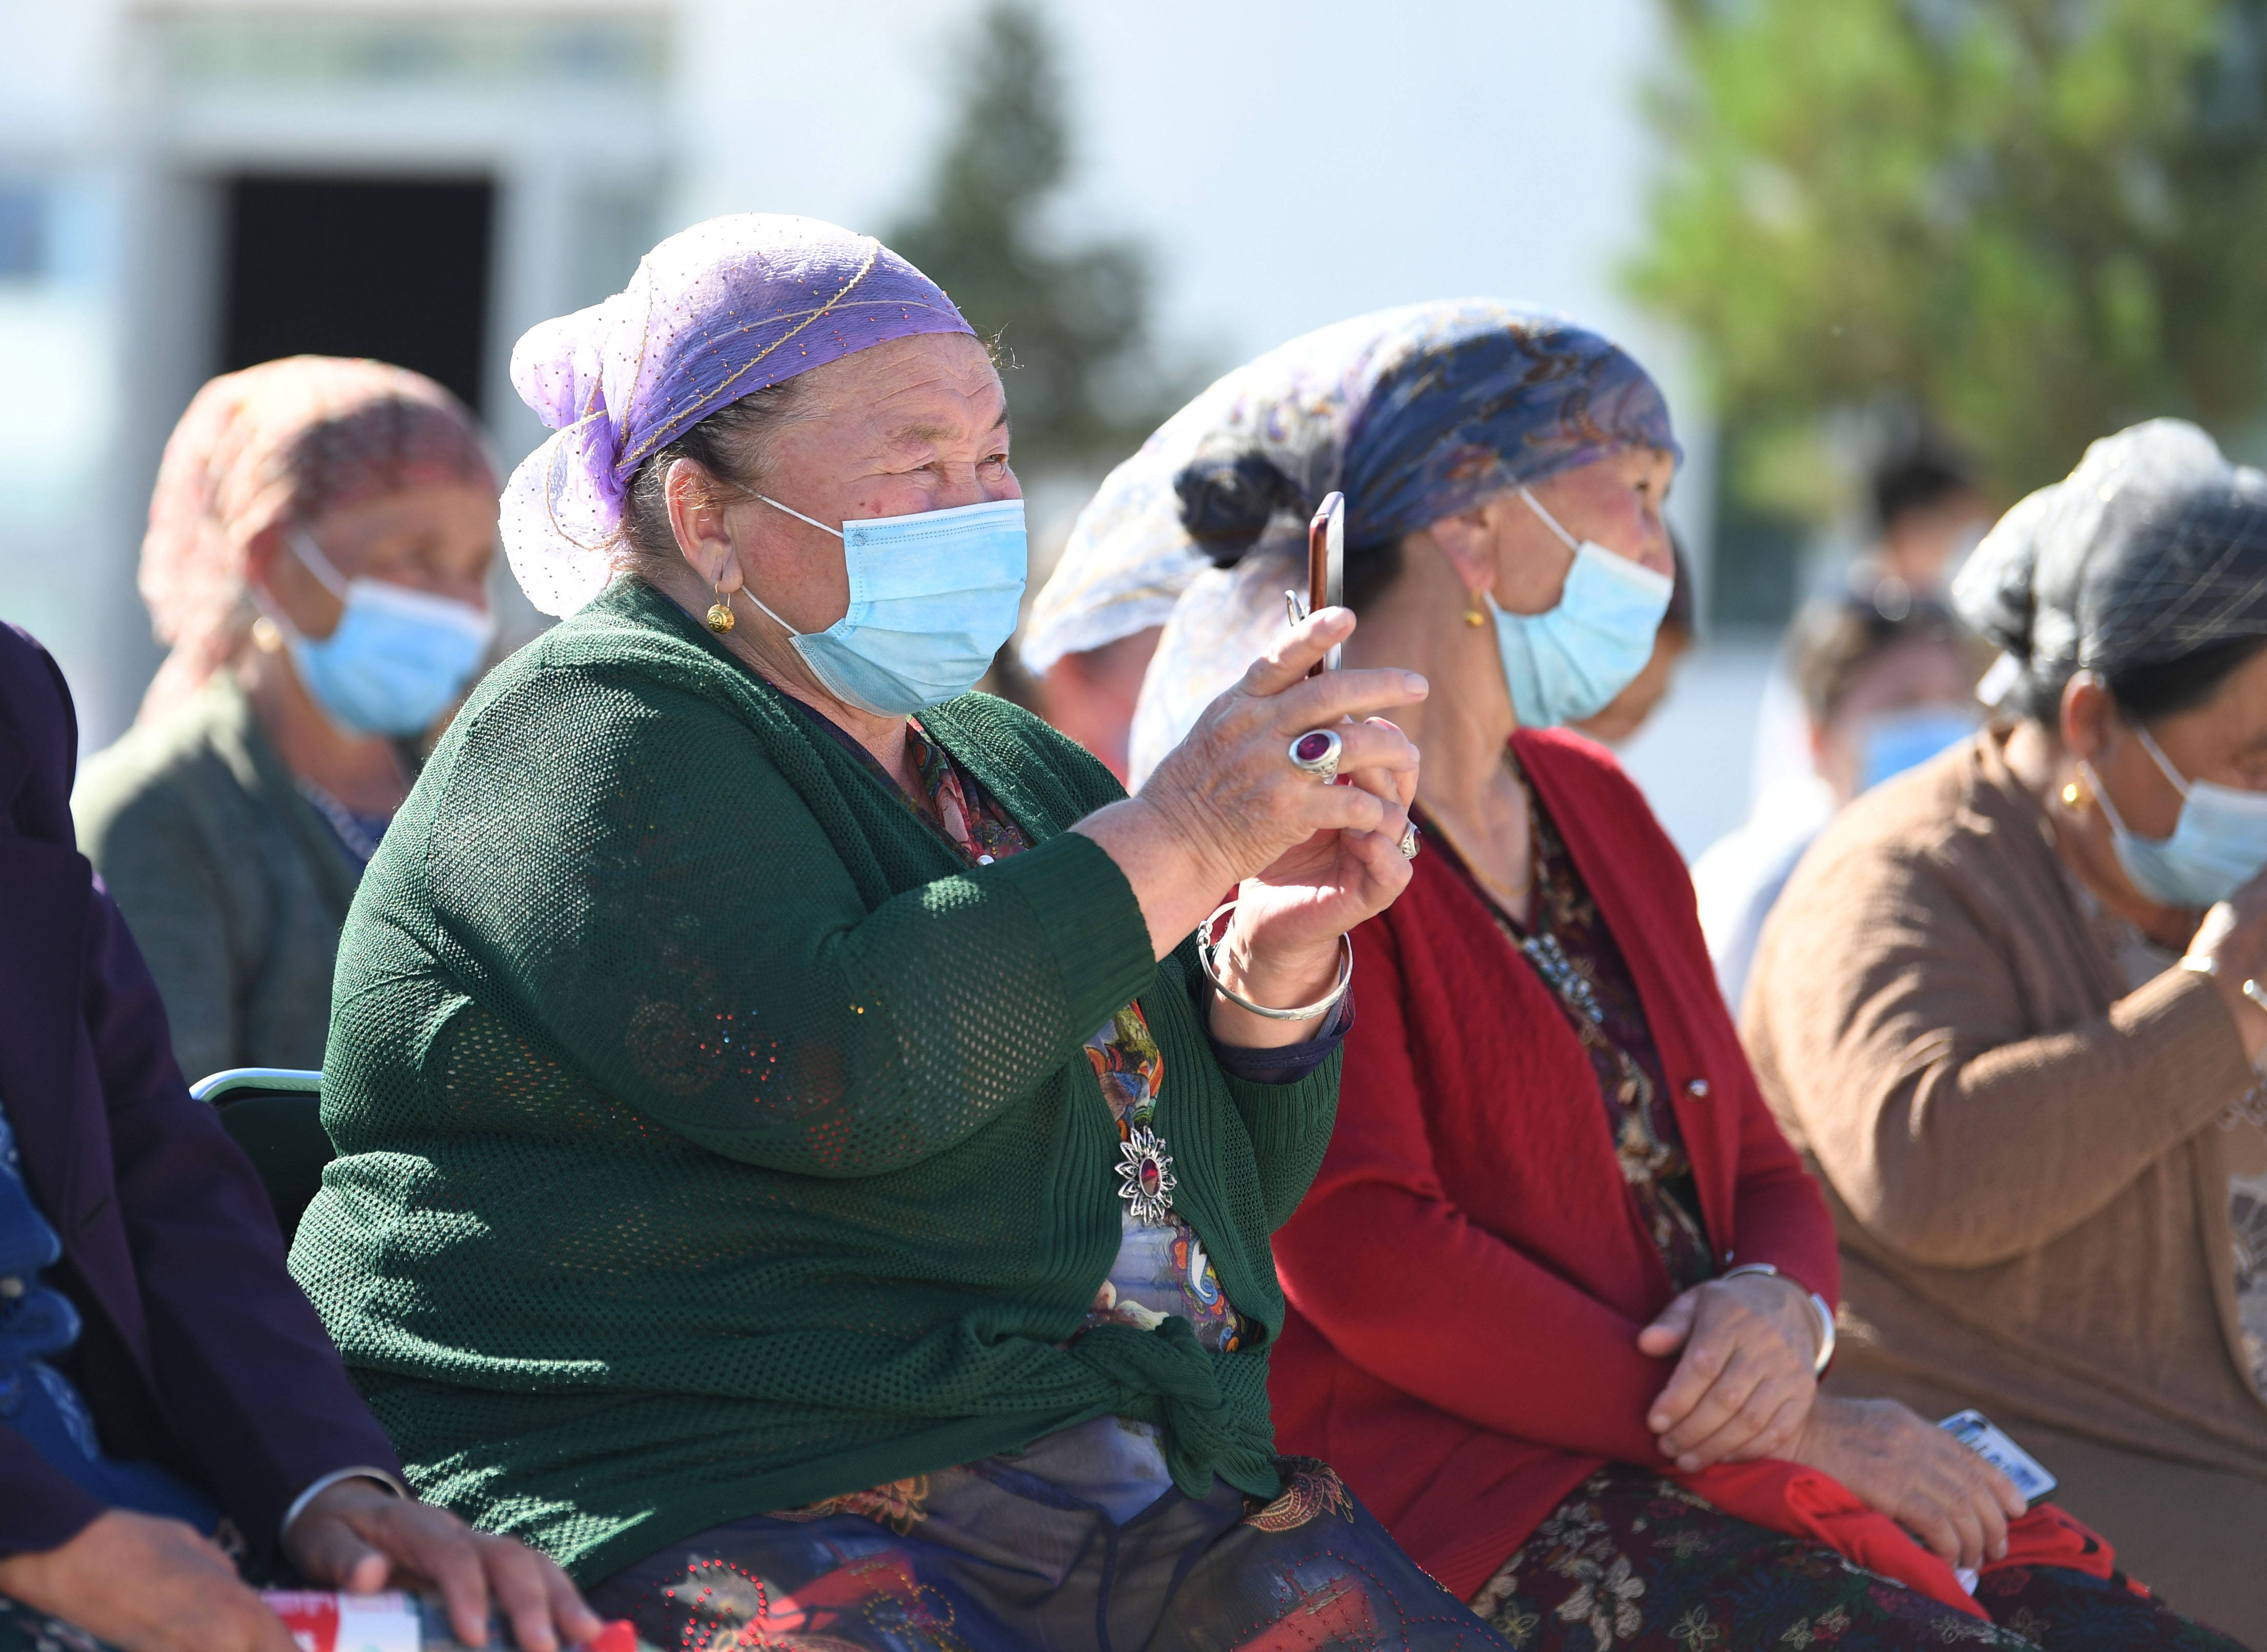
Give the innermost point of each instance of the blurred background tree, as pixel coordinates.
(2024, 223)
(1072, 324)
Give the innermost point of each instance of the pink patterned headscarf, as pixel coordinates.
(714, 313)
(279, 443)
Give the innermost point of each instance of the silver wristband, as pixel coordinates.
(1819, 1305)
(1207, 948)
(323, 1484)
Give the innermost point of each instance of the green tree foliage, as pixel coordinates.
(2031, 221)
(1071, 325)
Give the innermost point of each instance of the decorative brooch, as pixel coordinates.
(1145, 1174)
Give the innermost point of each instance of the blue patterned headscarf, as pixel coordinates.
(1414, 414)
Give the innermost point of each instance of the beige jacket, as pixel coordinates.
(2026, 1160)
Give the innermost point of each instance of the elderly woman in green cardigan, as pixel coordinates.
(798, 1165)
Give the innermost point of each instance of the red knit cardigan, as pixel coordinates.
(1468, 1276)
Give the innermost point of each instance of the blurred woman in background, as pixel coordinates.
(1886, 686)
(2008, 1007)
(317, 552)
(1560, 1291)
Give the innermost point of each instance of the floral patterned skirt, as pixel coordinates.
(988, 1558)
(1633, 1562)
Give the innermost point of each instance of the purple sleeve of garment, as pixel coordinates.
(1290, 1063)
(244, 1366)
(40, 1507)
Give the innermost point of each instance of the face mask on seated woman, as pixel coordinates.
(933, 596)
(2219, 842)
(1568, 662)
(397, 657)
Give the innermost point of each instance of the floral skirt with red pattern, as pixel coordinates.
(1633, 1562)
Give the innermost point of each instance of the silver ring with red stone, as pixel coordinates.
(1316, 753)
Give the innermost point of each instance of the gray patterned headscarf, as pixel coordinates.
(1414, 414)
(2154, 548)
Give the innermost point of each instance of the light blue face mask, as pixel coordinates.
(932, 598)
(397, 658)
(2219, 842)
(1894, 741)
(1567, 664)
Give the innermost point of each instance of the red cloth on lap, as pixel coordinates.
(1803, 1502)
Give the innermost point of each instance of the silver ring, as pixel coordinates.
(1316, 753)
(1408, 844)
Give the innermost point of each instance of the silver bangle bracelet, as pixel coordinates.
(1819, 1305)
(1207, 948)
(378, 1476)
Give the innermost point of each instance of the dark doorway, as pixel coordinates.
(387, 268)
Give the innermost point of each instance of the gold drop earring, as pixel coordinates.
(721, 618)
(1473, 617)
(2075, 794)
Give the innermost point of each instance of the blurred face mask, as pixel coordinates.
(1565, 664)
(2219, 843)
(1894, 741)
(933, 596)
(397, 658)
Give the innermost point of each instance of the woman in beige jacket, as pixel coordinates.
(2007, 1007)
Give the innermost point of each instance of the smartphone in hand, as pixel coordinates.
(1977, 1432)
(1326, 565)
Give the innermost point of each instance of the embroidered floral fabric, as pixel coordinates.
(1633, 1562)
(988, 1557)
(1567, 942)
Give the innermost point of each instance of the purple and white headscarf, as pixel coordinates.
(714, 313)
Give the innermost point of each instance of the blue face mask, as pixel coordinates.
(2219, 842)
(1567, 664)
(933, 596)
(1896, 741)
(397, 658)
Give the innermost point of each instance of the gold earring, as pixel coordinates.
(2074, 796)
(1473, 617)
(721, 618)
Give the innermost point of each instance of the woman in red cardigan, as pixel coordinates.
(1559, 1292)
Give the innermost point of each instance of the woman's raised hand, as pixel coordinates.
(1228, 805)
(2232, 944)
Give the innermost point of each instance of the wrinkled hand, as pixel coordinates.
(1227, 806)
(1230, 784)
(2232, 939)
(1916, 1473)
(356, 1535)
(1744, 1388)
(1283, 949)
(145, 1584)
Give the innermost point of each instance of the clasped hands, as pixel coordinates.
(146, 1584)
(1744, 1391)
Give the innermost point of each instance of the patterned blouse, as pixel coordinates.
(1566, 942)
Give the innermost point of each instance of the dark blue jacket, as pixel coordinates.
(197, 1351)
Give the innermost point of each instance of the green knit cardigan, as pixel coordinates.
(713, 1139)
